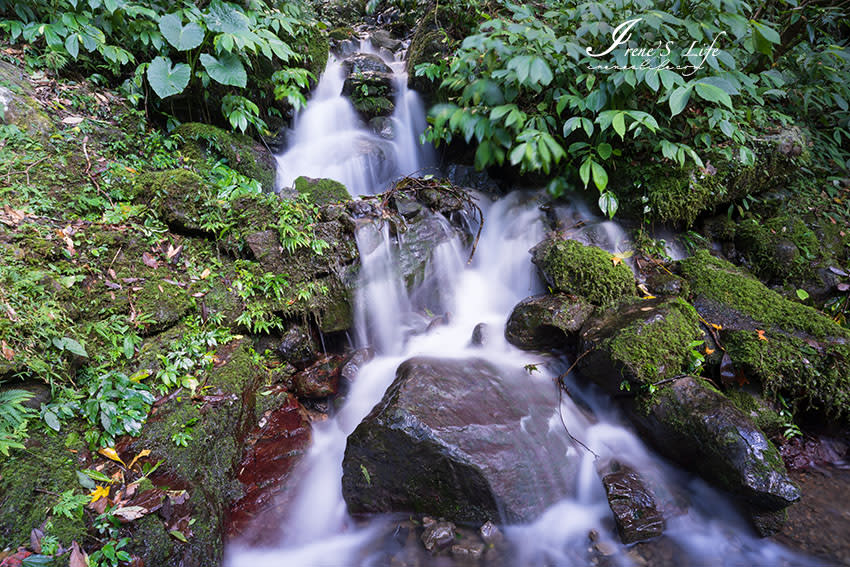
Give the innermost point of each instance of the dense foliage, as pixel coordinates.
(538, 85)
(164, 49)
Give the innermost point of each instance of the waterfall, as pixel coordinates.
(327, 141)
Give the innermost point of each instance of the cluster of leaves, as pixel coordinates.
(171, 47)
(539, 87)
(14, 417)
(191, 357)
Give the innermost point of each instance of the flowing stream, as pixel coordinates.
(329, 140)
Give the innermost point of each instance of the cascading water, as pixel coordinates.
(391, 319)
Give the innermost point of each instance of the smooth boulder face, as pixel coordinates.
(544, 321)
(459, 439)
(701, 429)
(633, 504)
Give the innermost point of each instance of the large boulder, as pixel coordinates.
(321, 191)
(788, 347)
(641, 341)
(18, 105)
(695, 425)
(459, 439)
(545, 321)
(571, 267)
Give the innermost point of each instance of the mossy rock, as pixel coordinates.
(545, 321)
(30, 482)
(317, 50)
(164, 303)
(790, 348)
(322, 191)
(573, 268)
(341, 33)
(242, 153)
(207, 466)
(18, 104)
(679, 195)
(692, 423)
(759, 411)
(640, 341)
(175, 195)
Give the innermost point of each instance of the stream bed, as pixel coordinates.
(436, 317)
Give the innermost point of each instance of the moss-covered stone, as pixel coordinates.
(545, 321)
(174, 194)
(206, 466)
(18, 104)
(803, 353)
(642, 341)
(759, 411)
(322, 191)
(31, 481)
(694, 424)
(243, 154)
(680, 195)
(164, 304)
(573, 268)
(317, 51)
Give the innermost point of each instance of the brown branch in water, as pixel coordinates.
(563, 388)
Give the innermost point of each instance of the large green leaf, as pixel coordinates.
(227, 69)
(226, 18)
(181, 37)
(713, 93)
(166, 80)
(679, 99)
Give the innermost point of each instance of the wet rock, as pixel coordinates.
(276, 444)
(297, 346)
(355, 363)
(662, 283)
(491, 534)
(319, 380)
(461, 439)
(383, 126)
(633, 504)
(381, 39)
(546, 321)
(695, 425)
(369, 85)
(641, 341)
(480, 334)
(571, 267)
(438, 535)
(468, 550)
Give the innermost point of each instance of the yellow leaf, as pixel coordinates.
(99, 492)
(709, 350)
(648, 297)
(760, 335)
(717, 327)
(112, 454)
(616, 260)
(205, 274)
(142, 454)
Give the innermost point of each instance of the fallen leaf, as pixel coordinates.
(717, 327)
(130, 513)
(648, 297)
(142, 454)
(72, 120)
(843, 286)
(111, 273)
(616, 260)
(178, 535)
(205, 274)
(35, 539)
(760, 335)
(111, 285)
(149, 261)
(838, 271)
(709, 351)
(172, 251)
(98, 493)
(112, 454)
(8, 353)
(78, 557)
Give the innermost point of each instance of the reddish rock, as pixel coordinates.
(320, 380)
(272, 451)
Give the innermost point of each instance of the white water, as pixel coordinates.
(329, 139)
(318, 530)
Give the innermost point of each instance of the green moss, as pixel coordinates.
(779, 249)
(657, 347)
(726, 284)
(241, 152)
(763, 416)
(164, 304)
(317, 50)
(806, 354)
(322, 191)
(341, 33)
(30, 482)
(680, 195)
(571, 267)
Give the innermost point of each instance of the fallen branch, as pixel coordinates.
(563, 388)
